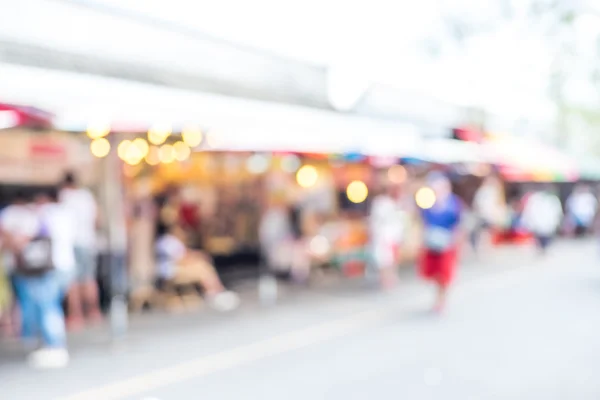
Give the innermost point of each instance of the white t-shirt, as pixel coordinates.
(80, 203)
(169, 251)
(60, 226)
(386, 220)
(487, 204)
(583, 206)
(19, 220)
(274, 227)
(543, 214)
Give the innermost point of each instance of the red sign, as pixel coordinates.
(468, 134)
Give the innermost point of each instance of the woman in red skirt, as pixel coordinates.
(441, 220)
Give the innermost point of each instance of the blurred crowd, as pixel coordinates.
(50, 246)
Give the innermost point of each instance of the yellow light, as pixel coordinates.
(357, 192)
(307, 176)
(192, 136)
(152, 158)
(182, 151)
(133, 155)
(100, 147)
(166, 154)
(158, 134)
(122, 149)
(397, 174)
(97, 131)
(142, 146)
(425, 198)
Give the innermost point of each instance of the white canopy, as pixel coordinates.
(234, 123)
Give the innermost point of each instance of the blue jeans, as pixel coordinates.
(40, 299)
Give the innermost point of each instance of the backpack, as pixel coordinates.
(35, 257)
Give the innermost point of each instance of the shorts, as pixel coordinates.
(85, 258)
(385, 255)
(439, 267)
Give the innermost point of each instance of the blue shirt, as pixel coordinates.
(446, 216)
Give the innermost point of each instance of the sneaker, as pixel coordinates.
(49, 358)
(225, 301)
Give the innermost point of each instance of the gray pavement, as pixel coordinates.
(517, 327)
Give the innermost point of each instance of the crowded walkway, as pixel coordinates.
(513, 325)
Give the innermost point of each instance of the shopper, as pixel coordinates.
(441, 222)
(44, 264)
(581, 208)
(386, 226)
(275, 236)
(542, 216)
(489, 209)
(16, 220)
(176, 263)
(83, 298)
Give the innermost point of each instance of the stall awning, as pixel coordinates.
(18, 116)
(523, 159)
(234, 123)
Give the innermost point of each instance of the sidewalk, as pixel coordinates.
(328, 291)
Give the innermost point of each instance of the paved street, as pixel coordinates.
(518, 327)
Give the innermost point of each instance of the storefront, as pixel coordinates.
(33, 154)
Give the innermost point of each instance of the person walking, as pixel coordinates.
(44, 262)
(83, 297)
(441, 221)
(386, 226)
(489, 209)
(542, 216)
(581, 209)
(18, 219)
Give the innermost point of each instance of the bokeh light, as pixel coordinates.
(307, 176)
(182, 151)
(142, 145)
(425, 198)
(166, 154)
(258, 164)
(397, 174)
(192, 136)
(98, 130)
(357, 192)
(152, 158)
(100, 147)
(122, 149)
(133, 154)
(158, 134)
(290, 163)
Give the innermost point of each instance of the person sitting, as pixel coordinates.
(179, 266)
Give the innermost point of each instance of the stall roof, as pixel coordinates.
(14, 116)
(235, 123)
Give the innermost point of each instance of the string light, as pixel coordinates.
(158, 134)
(98, 130)
(166, 154)
(142, 145)
(192, 136)
(100, 147)
(307, 176)
(357, 192)
(425, 198)
(152, 158)
(182, 151)
(122, 149)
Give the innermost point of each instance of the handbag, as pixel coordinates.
(35, 257)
